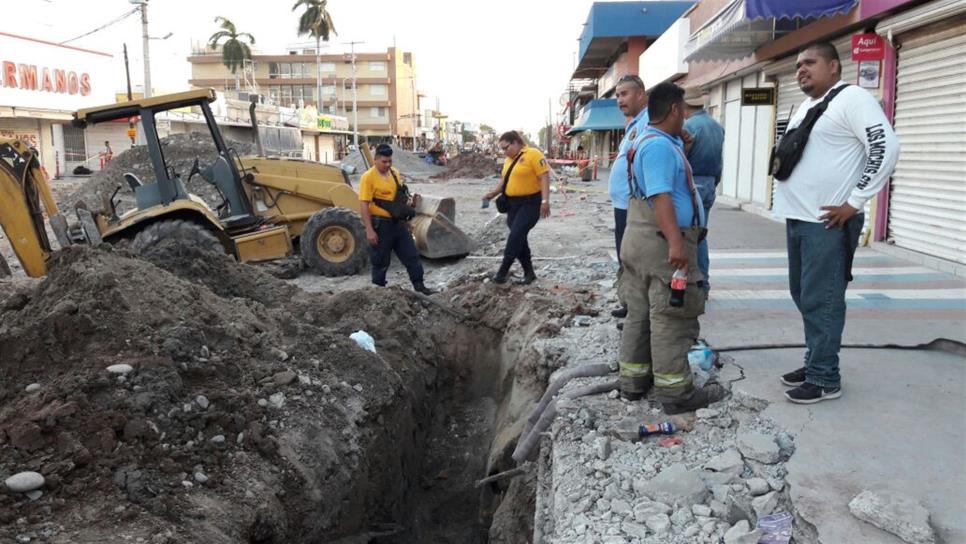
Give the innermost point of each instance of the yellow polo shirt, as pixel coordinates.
(374, 185)
(524, 180)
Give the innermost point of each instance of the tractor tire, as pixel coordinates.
(334, 242)
(173, 238)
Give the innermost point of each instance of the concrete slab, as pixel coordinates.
(900, 425)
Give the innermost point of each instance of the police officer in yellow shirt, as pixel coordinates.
(526, 187)
(386, 210)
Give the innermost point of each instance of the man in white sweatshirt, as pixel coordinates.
(850, 155)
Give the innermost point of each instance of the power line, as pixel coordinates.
(105, 25)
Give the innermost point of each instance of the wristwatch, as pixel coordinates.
(545, 202)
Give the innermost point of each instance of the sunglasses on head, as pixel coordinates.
(631, 78)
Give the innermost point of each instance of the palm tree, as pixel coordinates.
(317, 22)
(234, 52)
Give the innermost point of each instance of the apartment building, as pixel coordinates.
(386, 85)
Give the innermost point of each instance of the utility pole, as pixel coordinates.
(127, 74)
(415, 106)
(145, 39)
(355, 94)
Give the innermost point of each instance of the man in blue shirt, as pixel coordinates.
(665, 222)
(704, 152)
(632, 101)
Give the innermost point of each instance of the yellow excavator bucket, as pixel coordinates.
(23, 187)
(434, 227)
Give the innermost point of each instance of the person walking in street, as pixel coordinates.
(665, 221)
(704, 142)
(386, 210)
(632, 101)
(526, 187)
(850, 154)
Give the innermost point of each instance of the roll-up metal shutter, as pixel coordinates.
(927, 205)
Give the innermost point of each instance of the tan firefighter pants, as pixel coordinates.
(657, 336)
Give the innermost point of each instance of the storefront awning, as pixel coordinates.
(598, 115)
(745, 25)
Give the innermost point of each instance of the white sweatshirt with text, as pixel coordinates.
(851, 154)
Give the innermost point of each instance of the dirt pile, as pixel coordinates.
(245, 413)
(471, 165)
(408, 163)
(180, 151)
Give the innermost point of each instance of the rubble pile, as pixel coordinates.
(408, 163)
(470, 166)
(203, 400)
(722, 475)
(180, 151)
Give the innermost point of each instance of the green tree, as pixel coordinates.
(234, 52)
(316, 22)
(486, 128)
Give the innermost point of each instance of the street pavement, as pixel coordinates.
(901, 422)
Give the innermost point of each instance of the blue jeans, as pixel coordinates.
(819, 267)
(706, 189)
(522, 215)
(394, 236)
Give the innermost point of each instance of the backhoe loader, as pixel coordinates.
(268, 204)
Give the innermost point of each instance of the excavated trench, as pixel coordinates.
(454, 433)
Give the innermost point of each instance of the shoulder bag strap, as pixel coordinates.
(506, 177)
(817, 110)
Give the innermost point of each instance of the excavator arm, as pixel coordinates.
(23, 189)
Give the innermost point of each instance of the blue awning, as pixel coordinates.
(599, 115)
(791, 9)
(745, 25)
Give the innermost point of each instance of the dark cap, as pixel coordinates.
(384, 150)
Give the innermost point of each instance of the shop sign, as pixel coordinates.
(332, 122)
(38, 74)
(758, 96)
(867, 47)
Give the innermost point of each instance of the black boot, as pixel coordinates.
(501, 274)
(529, 276)
(420, 287)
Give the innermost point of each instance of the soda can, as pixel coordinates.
(656, 428)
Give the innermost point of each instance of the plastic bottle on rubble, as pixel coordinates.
(701, 356)
(648, 429)
(679, 282)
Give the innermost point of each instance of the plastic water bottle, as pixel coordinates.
(679, 282)
(701, 356)
(648, 429)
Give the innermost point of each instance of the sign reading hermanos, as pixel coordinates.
(38, 74)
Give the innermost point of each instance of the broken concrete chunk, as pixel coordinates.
(729, 462)
(676, 485)
(758, 486)
(32, 388)
(659, 523)
(602, 447)
(758, 446)
(765, 504)
(701, 510)
(894, 513)
(741, 533)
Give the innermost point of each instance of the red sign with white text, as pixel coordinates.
(868, 47)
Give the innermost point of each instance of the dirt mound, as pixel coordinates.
(408, 163)
(246, 413)
(180, 151)
(472, 165)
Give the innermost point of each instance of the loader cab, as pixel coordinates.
(168, 185)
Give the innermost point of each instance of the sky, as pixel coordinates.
(500, 62)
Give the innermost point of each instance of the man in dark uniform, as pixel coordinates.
(385, 233)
